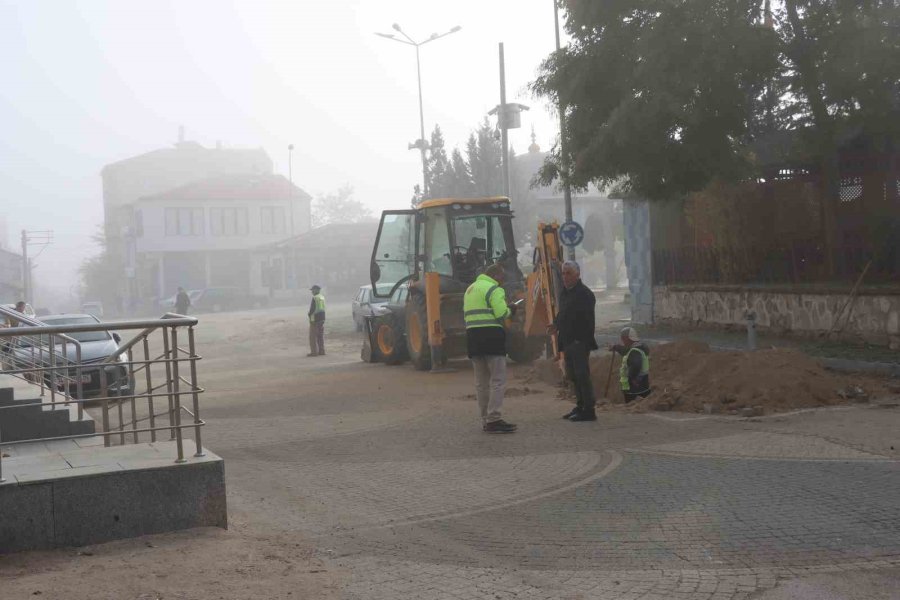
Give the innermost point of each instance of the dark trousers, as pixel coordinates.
(317, 337)
(578, 368)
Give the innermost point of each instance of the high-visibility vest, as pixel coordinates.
(484, 304)
(623, 369)
(319, 299)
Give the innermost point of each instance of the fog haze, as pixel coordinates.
(88, 83)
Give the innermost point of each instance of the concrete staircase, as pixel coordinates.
(38, 421)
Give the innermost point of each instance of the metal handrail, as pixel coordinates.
(178, 382)
(30, 323)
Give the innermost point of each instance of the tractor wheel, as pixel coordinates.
(389, 342)
(524, 349)
(417, 332)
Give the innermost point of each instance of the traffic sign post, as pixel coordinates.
(571, 234)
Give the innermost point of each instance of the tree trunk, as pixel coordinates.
(801, 55)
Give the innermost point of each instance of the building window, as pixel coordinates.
(228, 221)
(183, 221)
(271, 219)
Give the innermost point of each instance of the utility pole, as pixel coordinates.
(509, 116)
(31, 238)
(26, 269)
(504, 134)
(563, 145)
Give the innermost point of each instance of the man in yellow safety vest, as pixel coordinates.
(634, 373)
(485, 311)
(317, 322)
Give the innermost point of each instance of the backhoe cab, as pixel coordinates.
(427, 257)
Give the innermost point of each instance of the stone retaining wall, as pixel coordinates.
(875, 314)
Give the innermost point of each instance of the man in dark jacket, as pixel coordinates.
(182, 302)
(634, 373)
(574, 326)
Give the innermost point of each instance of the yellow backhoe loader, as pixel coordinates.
(423, 261)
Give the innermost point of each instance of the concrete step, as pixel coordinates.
(34, 418)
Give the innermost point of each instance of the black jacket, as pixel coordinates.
(575, 321)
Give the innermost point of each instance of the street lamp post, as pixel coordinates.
(421, 144)
(293, 252)
(291, 187)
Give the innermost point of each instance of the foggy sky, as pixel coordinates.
(86, 83)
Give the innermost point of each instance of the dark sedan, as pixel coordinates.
(96, 347)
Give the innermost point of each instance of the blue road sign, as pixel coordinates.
(571, 234)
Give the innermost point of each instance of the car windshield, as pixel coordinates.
(82, 336)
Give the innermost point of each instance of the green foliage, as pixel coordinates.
(101, 274)
(339, 207)
(669, 94)
(477, 173)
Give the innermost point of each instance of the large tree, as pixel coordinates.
(662, 94)
(440, 173)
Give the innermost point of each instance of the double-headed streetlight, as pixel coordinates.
(421, 144)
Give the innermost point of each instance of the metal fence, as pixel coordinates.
(141, 390)
(789, 263)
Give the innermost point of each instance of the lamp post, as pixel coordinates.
(293, 270)
(420, 143)
(291, 187)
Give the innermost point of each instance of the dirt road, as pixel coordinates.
(348, 480)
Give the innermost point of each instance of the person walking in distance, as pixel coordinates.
(634, 373)
(182, 301)
(316, 322)
(485, 311)
(574, 326)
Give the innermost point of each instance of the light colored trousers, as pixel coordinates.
(490, 385)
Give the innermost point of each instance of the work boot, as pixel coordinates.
(499, 426)
(571, 413)
(312, 354)
(583, 415)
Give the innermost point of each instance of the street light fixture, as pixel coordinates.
(421, 143)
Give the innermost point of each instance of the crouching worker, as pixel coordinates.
(634, 373)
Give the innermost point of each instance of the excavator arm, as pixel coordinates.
(544, 283)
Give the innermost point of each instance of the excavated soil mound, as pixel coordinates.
(687, 376)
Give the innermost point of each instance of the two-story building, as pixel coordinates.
(201, 234)
(155, 172)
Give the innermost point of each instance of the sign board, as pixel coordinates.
(571, 234)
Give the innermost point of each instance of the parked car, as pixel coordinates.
(365, 304)
(217, 299)
(96, 347)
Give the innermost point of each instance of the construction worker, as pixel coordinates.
(574, 326)
(316, 322)
(485, 310)
(634, 373)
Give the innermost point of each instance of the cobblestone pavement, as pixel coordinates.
(400, 493)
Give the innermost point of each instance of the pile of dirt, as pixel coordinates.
(687, 376)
